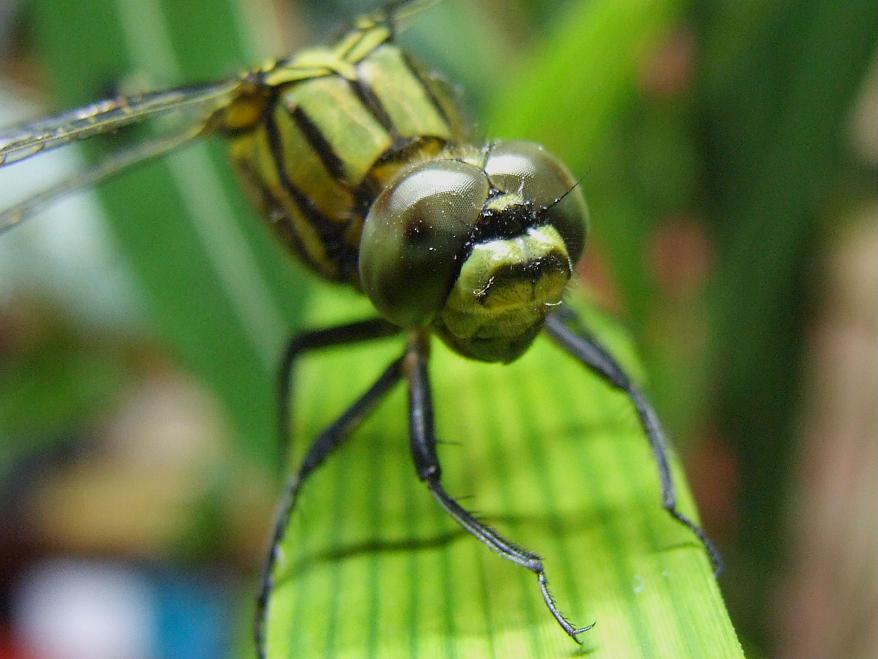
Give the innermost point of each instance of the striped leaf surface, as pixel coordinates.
(544, 451)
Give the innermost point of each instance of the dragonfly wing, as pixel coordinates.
(107, 168)
(399, 12)
(28, 139)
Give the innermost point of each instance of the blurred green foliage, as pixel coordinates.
(51, 383)
(222, 294)
(775, 98)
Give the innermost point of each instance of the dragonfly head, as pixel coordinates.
(479, 252)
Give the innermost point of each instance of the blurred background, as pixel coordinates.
(729, 152)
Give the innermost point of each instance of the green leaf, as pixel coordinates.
(551, 456)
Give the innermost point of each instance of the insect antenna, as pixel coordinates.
(546, 209)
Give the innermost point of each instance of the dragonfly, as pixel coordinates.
(362, 164)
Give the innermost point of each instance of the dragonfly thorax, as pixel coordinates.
(338, 123)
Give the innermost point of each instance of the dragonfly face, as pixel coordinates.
(479, 247)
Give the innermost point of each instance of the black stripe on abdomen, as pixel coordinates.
(330, 159)
(373, 104)
(425, 84)
(331, 234)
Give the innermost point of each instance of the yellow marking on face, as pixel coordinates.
(507, 284)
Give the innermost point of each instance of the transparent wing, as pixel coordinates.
(28, 139)
(399, 13)
(107, 168)
(406, 10)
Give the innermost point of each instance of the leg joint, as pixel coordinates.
(430, 473)
(535, 565)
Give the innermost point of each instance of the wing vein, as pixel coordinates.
(29, 139)
(107, 168)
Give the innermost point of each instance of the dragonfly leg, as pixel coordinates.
(423, 444)
(305, 342)
(583, 345)
(329, 440)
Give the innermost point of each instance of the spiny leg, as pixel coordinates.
(585, 347)
(329, 440)
(423, 444)
(364, 330)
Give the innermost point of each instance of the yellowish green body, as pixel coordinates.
(359, 160)
(341, 123)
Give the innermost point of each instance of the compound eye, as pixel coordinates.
(414, 236)
(527, 169)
